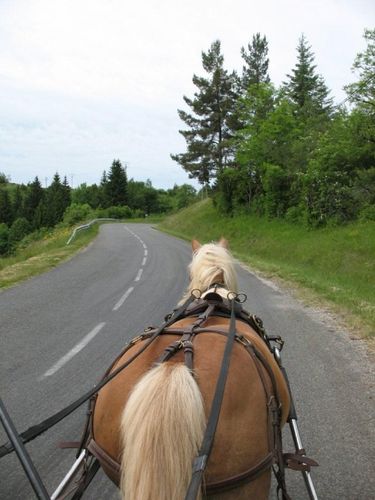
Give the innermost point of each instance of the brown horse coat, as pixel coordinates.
(241, 439)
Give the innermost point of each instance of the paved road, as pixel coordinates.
(59, 331)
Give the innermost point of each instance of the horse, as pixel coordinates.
(148, 422)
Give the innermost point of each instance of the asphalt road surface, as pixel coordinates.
(59, 332)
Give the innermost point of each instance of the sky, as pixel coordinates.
(83, 82)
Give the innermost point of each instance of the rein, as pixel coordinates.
(36, 430)
(200, 462)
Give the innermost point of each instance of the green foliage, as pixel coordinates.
(115, 185)
(362, 93)
(210, 127)
(54, 202)
(116, 212)
(4, 179)
(33, 203)
(6, 213)
(4, 239)
(18, 230)
(295, 156)
(76, 213)
(256, 59)
(305, 87)
(84, 194)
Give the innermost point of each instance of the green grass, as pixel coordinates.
(334, 263)
(42, 255)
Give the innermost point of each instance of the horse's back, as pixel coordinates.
(242, 436)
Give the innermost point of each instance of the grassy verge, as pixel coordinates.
(336, 264)
(42, 255)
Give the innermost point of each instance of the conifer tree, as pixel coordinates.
(305, 87)
(33, 198)
(18, 201)
(210, 126)
(256, 59)
(54, 202)
(116, 185)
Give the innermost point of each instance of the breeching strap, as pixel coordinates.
(200, 461)
(36, 430)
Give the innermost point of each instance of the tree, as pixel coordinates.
(6, 214)
(85, 194)
(256, 59)
(54, 203)
(33, 198)
(4, 239)
(116, 185)
(4, 179)
(362, 93)
(18, 201)
(210, 132)
(305, 87)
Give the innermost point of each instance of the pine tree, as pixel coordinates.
(116, 185)
(18, 201)
(305, 87)
(256, 59)
(54, 203)
(33, 198)
(66, 193)
(210, 133)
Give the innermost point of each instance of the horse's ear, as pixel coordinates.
(224, 243)
(195, 245)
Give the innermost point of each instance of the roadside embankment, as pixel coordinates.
(333, 264)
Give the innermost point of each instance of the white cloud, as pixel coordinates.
(86, 81)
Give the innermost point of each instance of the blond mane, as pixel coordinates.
(211, 264)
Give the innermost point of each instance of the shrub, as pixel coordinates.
(19, 229)
(123, 212)
(77, 212)
(367, 213)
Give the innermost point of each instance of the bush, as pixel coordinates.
(77, 212)
(19, 229)
(367, 213)
(123, 212)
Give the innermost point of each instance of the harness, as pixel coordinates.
(201, 309)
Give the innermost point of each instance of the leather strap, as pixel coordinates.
(200, 462)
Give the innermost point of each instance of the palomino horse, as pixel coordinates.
(151, 417)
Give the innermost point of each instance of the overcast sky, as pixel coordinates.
(85, 81)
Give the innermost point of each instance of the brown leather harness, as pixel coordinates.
(201, 309)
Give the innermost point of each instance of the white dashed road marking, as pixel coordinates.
(75, 350)
(123, 298)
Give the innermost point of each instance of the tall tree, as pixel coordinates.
(210, 132)
(362, 92)
(116, 185)
(256, 58)
(33, 198)
(55, 202)
(305, 87)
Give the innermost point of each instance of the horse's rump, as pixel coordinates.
(244, 413)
